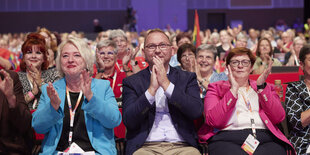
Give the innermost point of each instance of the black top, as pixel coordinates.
(80, 136)
(221, 50)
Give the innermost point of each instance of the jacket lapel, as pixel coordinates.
(172, 76)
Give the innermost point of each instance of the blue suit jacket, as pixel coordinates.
(184, 105)
(101, 116)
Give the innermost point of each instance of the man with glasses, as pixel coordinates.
(160, 103)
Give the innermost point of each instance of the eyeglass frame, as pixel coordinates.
(108, 53)
(240, 62)
(161, 44)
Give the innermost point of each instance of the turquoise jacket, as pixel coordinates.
(101, 116)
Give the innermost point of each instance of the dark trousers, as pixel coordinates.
(230, 142)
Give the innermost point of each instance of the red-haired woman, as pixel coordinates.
(33, 67)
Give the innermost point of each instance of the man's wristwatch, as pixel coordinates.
(262, 86)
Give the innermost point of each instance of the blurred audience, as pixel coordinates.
(292, 57)
(264, 54)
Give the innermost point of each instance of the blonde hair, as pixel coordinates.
(83, 48)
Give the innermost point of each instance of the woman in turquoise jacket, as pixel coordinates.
(76, 110)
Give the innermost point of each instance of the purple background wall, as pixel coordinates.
(68, 15)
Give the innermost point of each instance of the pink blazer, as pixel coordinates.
(220, 102)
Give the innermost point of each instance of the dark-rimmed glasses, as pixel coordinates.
(244, 63)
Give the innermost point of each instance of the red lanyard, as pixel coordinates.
(72, 113)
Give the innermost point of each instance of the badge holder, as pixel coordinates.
(251, 143)
(74, 149)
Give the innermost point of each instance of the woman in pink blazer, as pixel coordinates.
(241, 113)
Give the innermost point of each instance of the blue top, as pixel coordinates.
(214, 78)
(101, 116)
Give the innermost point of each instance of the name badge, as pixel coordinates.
(250, 144)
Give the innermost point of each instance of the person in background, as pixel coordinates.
(215, 39)
(106, 58)
(178, 40)
(16, 135)
(183, 38)
(125, 56)
(284, 44)
(76, 110)
(241, 108)
(269, 36)
(160, 103)
(226, 45)
(292, 57)
(241, 40)
(33, 69)
(174, 61)
(186, 56)
(253, 39)
(97, 26)
(297, 107)
(204, 68)
(264, 54)
(51, 46)
(5, 55)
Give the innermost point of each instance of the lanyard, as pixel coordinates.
(114, 79)
(72, 113)
(248, 105)
(119, 67)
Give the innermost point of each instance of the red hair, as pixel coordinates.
(34, 39)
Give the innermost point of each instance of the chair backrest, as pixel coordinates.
(284, 77)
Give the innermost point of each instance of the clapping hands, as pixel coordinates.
(158, 77)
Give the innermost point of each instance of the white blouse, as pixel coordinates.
(241, 116)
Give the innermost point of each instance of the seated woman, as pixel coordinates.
(241, 109)
(77, 110)
(33, 68)
(297, 105)
(106, 58)
(186, 56)
(126, 61)
(292, 57)
(264, 54)
(205, 60)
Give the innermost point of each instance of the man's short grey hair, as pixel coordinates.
(83, 48)
(107, 43)
(241, 36)
(209, 48)
(117, 33)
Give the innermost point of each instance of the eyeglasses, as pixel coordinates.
(110, 53)
(189, 55)
(153, 47)
(244, 63)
